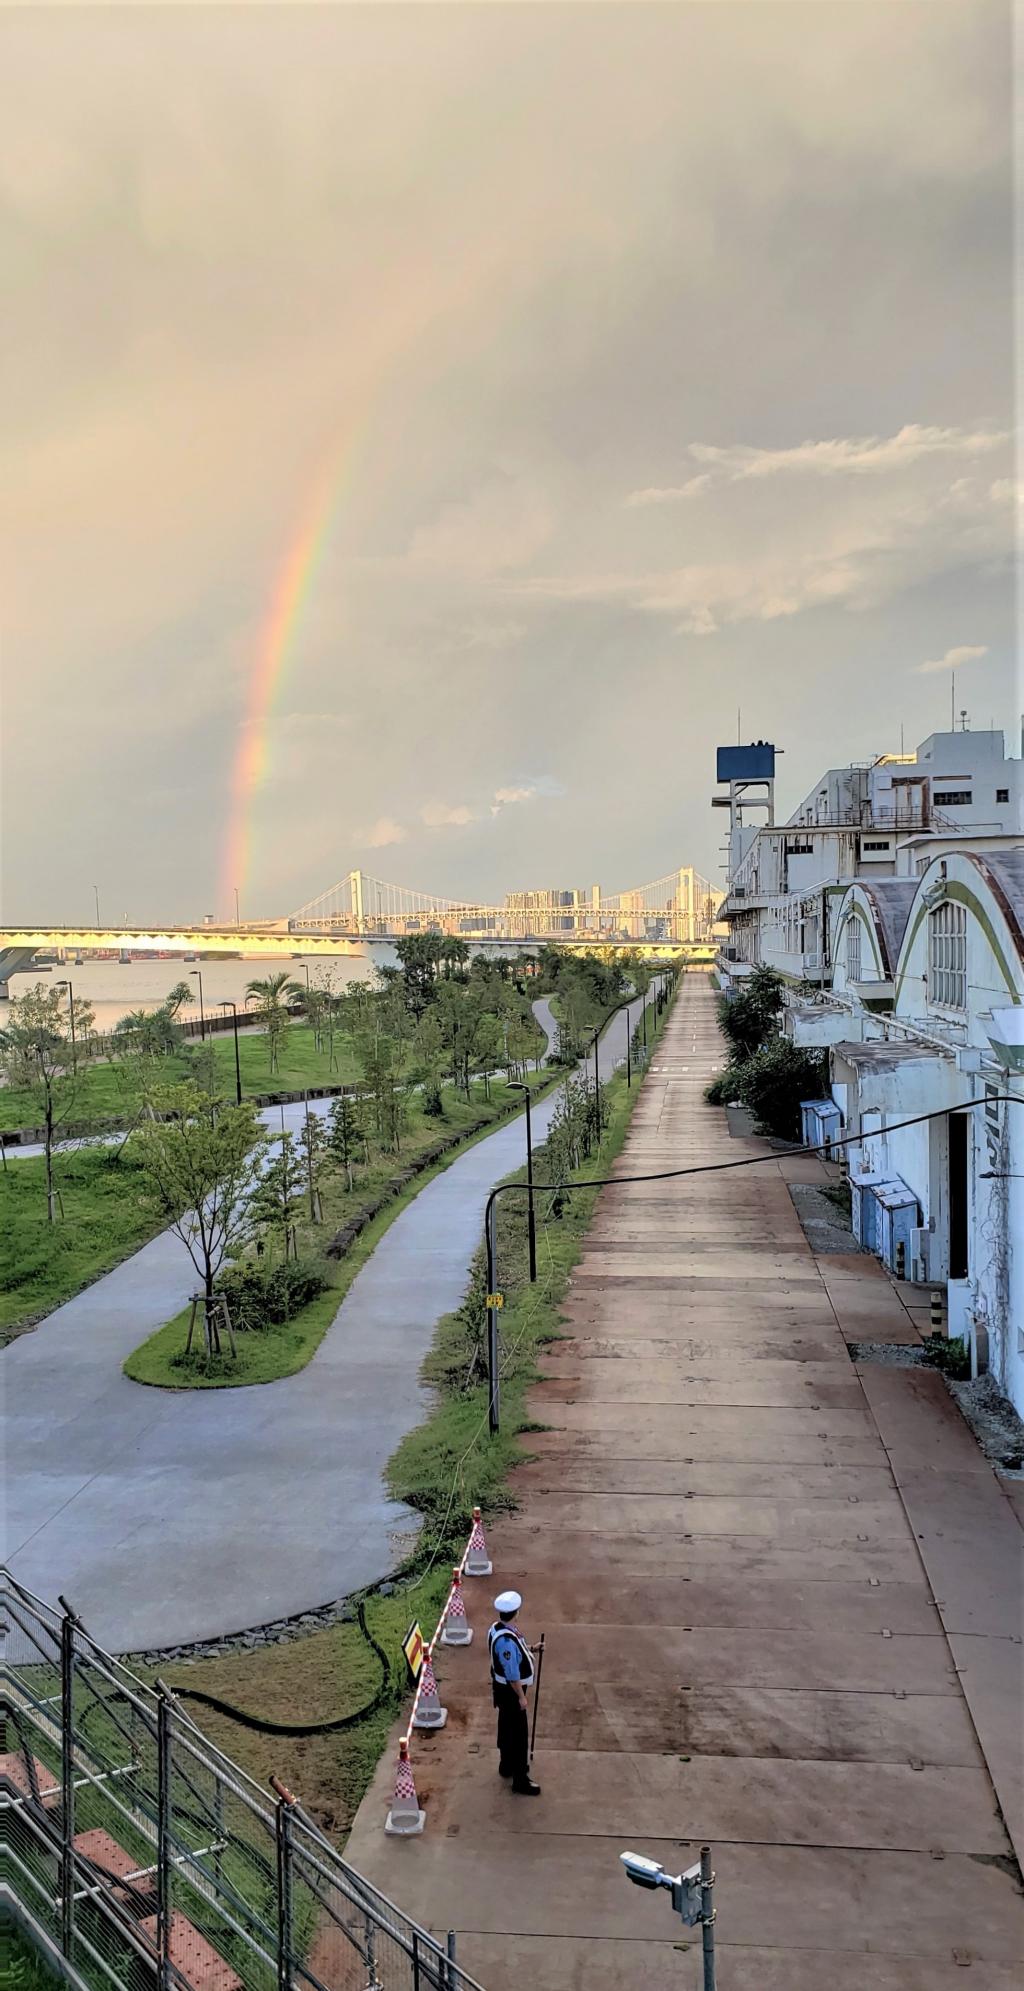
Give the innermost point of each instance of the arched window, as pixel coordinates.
(947, 956)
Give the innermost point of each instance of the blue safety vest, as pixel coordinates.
(498, 1679)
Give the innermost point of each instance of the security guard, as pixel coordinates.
(511, 1674)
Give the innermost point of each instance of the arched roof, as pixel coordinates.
(889, 901)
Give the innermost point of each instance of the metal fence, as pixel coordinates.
(151, 1860)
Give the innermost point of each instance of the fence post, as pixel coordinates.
(67, 1782)
(707, 1917)
(284, 1894)
(450, 1952)
(164, 1903)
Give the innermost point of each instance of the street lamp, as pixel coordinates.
(597, 1083)
(691, 1893)
(517, 1086)
(96, 896)
(71, 1012)
(629, 1054)
(197, 976)
(238, 1069)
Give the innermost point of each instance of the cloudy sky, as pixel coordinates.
(630, 364)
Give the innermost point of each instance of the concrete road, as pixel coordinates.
(167, 1517)
(782, 1607)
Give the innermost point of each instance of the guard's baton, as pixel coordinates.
(536, 1694)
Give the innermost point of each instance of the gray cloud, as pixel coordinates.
(660, 359)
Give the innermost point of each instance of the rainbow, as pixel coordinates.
(289, 595)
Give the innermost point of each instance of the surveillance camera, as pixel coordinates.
(644, 1872)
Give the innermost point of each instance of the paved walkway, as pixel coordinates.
(723, 1534)
(170, 1516)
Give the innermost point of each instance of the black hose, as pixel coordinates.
(301, 1728)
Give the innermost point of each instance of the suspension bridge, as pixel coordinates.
(669, 917)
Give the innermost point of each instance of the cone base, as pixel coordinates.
(462, 1638)
(405, 1826)
(431, 1720)
(481, 1569)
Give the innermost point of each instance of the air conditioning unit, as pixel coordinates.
(920, 1255)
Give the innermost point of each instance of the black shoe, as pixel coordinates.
(525, 1787)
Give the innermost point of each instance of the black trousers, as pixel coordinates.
(513, 1734)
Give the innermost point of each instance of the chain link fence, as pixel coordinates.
(152, 1861)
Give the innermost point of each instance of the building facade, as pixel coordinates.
(883, 820)
(925, 1017)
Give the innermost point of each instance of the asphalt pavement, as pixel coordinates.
(171, 1516)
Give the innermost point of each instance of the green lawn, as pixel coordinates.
(104, 1089)
(42, 1264)
(280, 1351)
(332, 1672)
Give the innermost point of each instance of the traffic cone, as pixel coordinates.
(429, 1712)
(405, 1816)
(457, 1628)
(478, 1562)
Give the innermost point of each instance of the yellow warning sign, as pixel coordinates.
(496, 1300)
(412, 1646)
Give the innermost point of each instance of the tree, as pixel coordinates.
(200, 1167)
(750, 1018)
(152, 1032)
(419, 954)
(179, 997)
(37, 1057)
(344, 1134)
(270, 1000)
(428, 1050)
(276, 1201)
(313, 1150)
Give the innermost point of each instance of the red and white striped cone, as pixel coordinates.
(457, 1628)
(478, 1562)
(429, 1712)
(405, 1816)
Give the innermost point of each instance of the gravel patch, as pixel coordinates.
(889, 1354)
(822, 1221)
(995, 1424)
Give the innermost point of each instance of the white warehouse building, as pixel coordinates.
(926, 1015)
(882, 820)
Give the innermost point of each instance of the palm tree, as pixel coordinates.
(271, 999)
(179, 997)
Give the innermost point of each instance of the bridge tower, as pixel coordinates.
(355, 886)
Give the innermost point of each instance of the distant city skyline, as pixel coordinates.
(430, 428)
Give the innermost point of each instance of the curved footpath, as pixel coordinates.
(171, 1516)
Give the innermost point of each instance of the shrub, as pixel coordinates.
(725, 1087)
(953, 1357)
(261, 1299)
(772, 1082)
(750, 1018)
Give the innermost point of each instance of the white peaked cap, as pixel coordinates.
(509, 1600)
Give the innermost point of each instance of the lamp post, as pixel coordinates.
(629, 1054)
(196, 975)
(237, 918)
(517, 1086)
(238, 1069)
(96, 896)
(597, 1083)
(71, 1013)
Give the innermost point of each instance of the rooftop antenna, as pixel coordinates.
(964, 728)
(901, 739)
(739, 735)
(952, 701)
